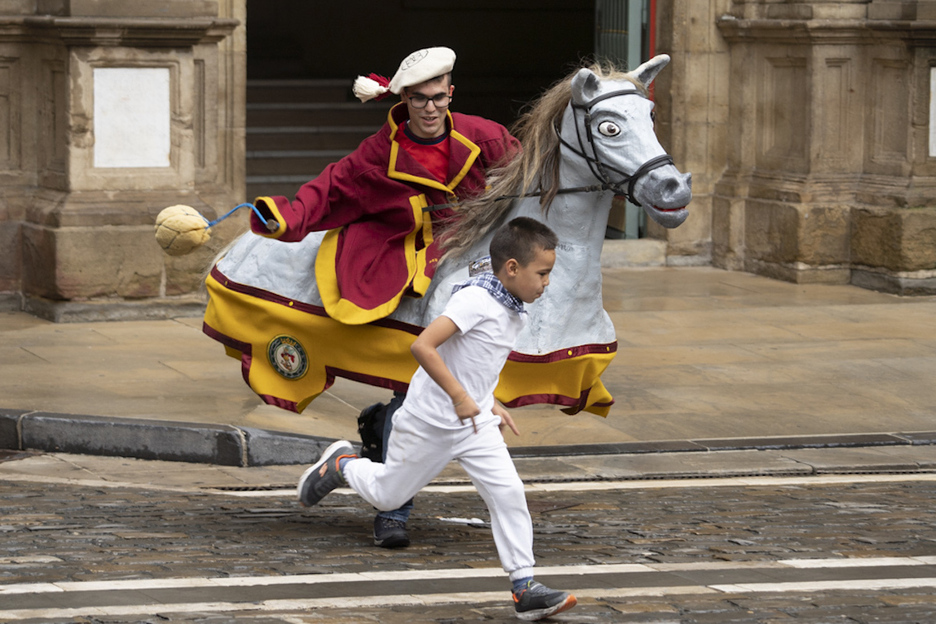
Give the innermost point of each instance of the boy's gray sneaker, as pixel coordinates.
(324, 475)
(536, 601)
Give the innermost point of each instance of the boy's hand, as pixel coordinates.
(466, 408)
(505, 419)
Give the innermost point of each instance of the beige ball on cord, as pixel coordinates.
(181, 229)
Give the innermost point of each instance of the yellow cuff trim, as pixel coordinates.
(271, 205)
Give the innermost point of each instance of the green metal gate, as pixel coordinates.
(624, 37)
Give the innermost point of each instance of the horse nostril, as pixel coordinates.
(677, 186)
(670, 188)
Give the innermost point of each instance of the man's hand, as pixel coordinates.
(505, 419)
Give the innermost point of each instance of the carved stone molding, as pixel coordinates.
(826, 31)
(114, 31)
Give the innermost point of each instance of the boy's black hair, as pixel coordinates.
(520, 239)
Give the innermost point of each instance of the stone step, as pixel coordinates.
(291, 162)
(307, 137)
(262, 114)
(295, 128)
(337, 90)
(268, 185)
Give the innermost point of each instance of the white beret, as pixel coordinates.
(416, 68)
(421, 66)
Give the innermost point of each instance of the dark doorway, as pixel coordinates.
(508, 50)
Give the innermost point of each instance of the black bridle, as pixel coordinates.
(598, 168)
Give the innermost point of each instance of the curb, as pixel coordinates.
(768, 443)
(225, 445)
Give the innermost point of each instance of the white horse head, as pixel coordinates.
(614, 139)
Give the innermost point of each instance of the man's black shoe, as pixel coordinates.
(390, 533)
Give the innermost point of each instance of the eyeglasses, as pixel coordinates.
(419, 101)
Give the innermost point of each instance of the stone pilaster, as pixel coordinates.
(829, 167)
(123, 108)
(692, 115)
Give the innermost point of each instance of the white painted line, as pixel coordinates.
(565, 486)
(355, 602)
(28, 560)
(101, 483)
(730, 482)
(450, 573)
(454, 598)
(306, 579)
(30, 588)
(412, 600)
(268, 605)
(649, 484)
(932, 113)
(818, 586)
(852, 562)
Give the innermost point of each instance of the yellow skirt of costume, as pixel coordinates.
(291, 352)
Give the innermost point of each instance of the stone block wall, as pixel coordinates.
(831, 169)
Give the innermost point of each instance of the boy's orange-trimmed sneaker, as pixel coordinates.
(536, 601)
(324, 475)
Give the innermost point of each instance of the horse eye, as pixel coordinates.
(609, 128)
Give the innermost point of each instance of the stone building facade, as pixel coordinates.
(110, 111)
(808, 126)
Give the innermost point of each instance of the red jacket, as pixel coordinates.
(379, 245)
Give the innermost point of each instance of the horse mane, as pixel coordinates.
(534, 171)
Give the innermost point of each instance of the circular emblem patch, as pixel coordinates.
(288, 357)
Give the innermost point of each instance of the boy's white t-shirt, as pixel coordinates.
(475, 354)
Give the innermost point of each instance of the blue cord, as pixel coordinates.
(223, 217)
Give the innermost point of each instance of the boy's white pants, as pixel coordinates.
(418, 451)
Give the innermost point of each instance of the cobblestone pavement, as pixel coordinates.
(696, 548)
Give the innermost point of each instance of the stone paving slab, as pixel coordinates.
(708, 360)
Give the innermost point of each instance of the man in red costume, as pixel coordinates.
(381, 243)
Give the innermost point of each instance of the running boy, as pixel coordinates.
(450, 412)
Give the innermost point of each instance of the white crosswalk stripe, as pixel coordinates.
(149, 605)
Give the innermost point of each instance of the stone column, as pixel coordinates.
(692, 96)
(830, 176)
(116, 110)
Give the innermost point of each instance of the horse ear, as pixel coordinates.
(648, 71)
(585, 86)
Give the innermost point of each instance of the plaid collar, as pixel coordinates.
(489, 282)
